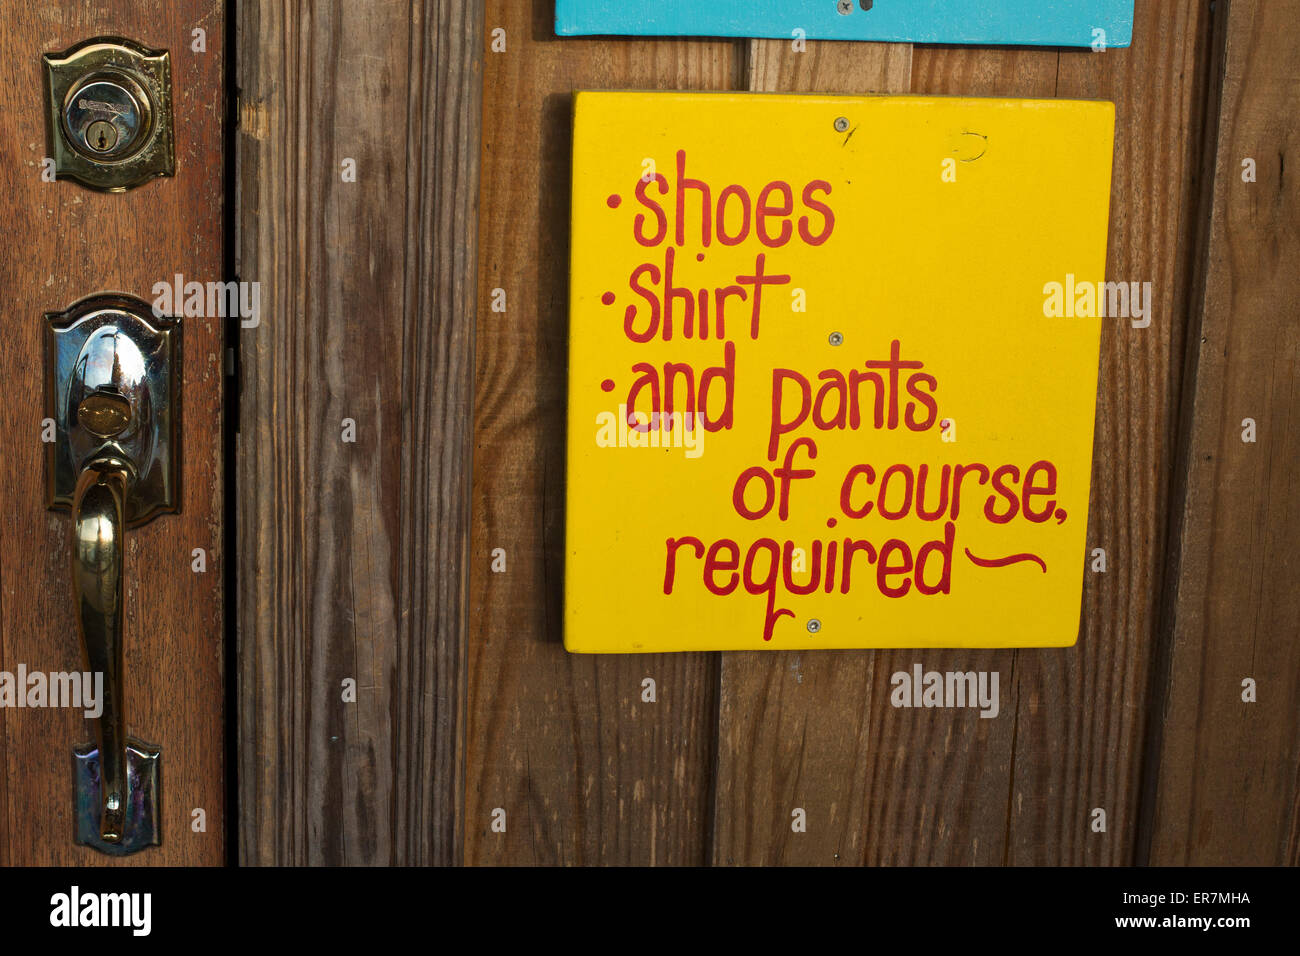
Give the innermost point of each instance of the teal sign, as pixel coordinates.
(1098, 24)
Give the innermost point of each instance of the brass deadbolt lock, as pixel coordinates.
(110, 113)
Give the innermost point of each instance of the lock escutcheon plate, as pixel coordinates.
(110, 113)
(112, 389)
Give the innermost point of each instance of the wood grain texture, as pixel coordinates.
(1227, 791)
(352, 553)
(774, 66)
(61, 243)
(585, 771)
(1080, 712)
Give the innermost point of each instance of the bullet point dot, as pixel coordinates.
(613, 201)
(607, 298)
(699, 257)
(607, 385)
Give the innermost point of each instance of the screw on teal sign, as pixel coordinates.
(1099, 24)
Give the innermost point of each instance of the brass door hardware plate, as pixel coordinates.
(141, 815)
(112, 389)
(110, 113)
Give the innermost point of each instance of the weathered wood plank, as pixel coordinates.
(884, 786)
(352, 552)
(585, 772)
(1080, 712)
(1228, 785)
(61, 243)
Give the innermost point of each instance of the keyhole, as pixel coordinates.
(101, 136)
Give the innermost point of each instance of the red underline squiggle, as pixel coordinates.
(1009, 559)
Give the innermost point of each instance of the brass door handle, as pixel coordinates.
(98, 554)
(113, 399)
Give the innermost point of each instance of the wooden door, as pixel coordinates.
(62, 242)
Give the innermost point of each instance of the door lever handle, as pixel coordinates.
(113, 397)
(98, 554)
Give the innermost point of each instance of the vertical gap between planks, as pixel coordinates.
(229, 431)
(1211, 64)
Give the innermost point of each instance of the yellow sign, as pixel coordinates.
(832, 370)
